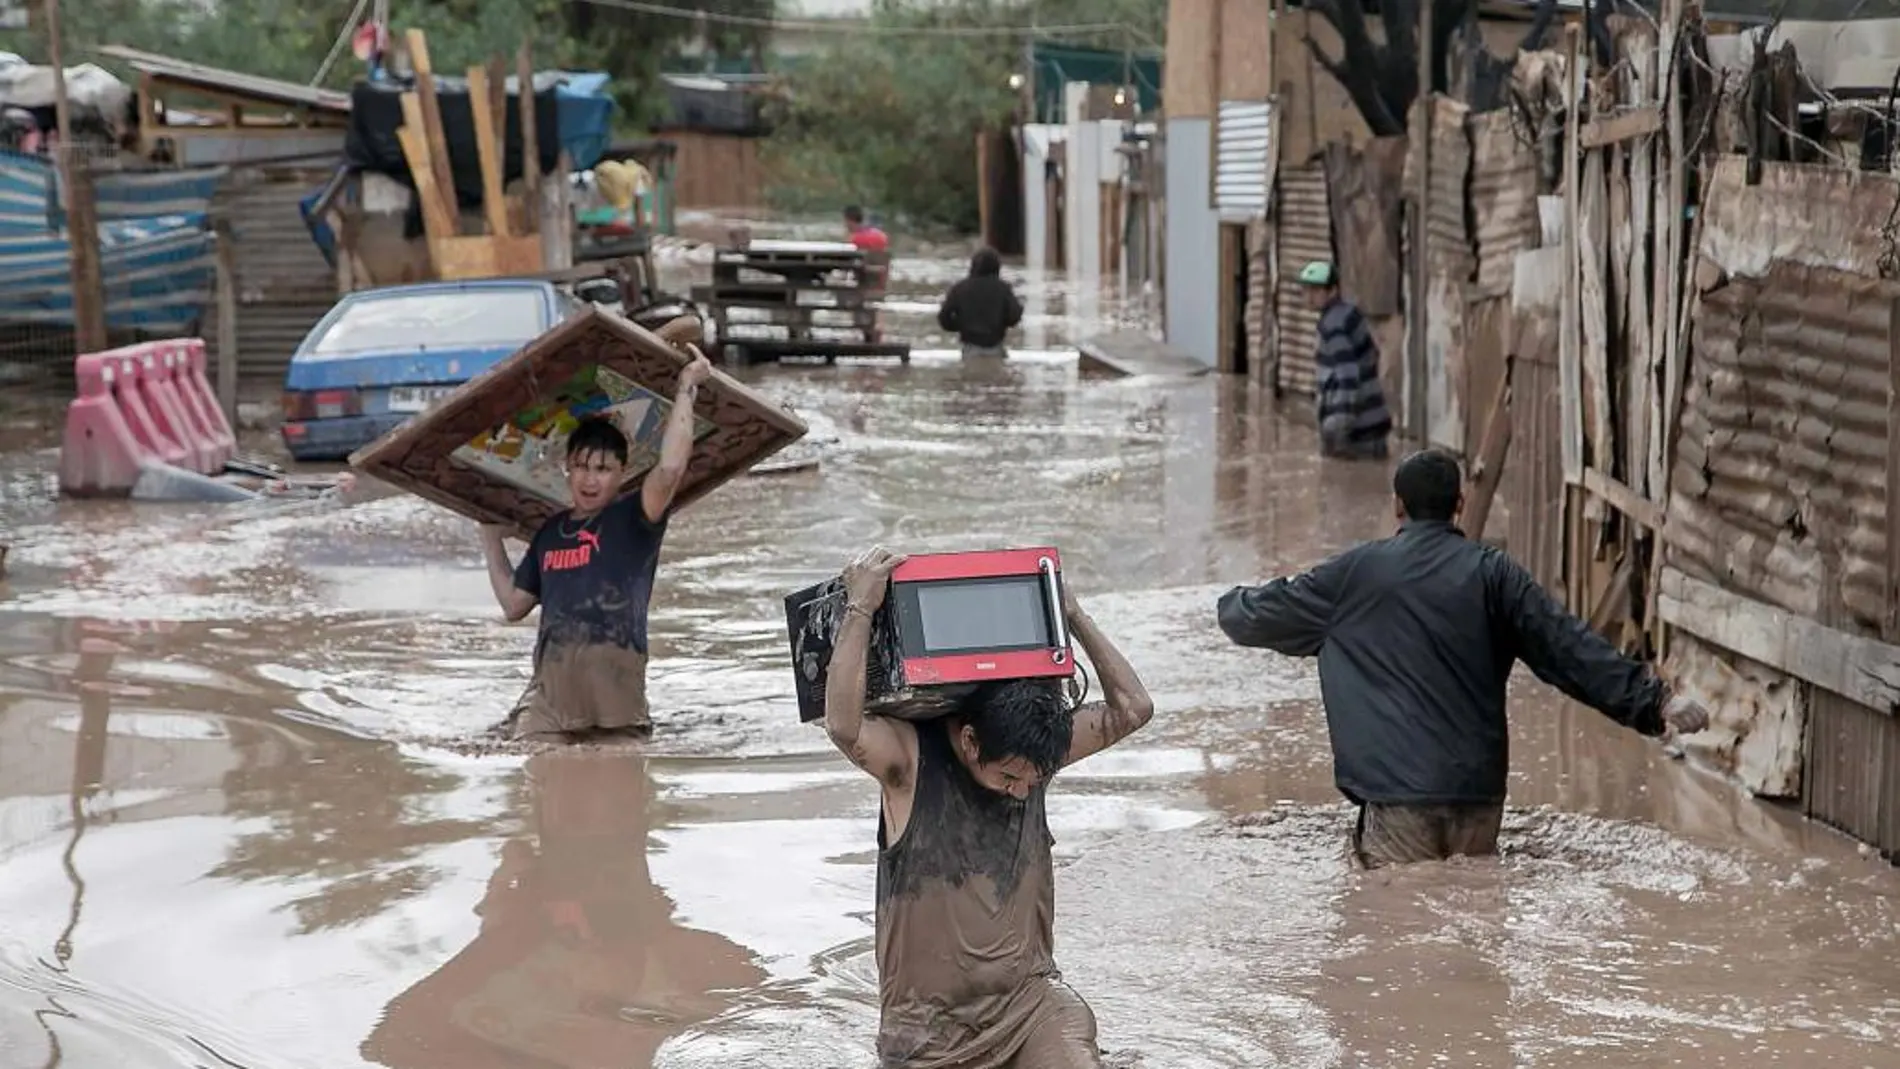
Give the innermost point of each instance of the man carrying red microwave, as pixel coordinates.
(965, 884)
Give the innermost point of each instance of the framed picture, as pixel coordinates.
(494, 449)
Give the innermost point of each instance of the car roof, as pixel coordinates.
(419, 289)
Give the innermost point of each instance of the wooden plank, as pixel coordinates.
(1638, 122)
(1613, 602)
(1593, 223)
(486, 256)
(439, 158)
(1863, 669)
(487, 153)
(1570, 338)
(226, 249)
(436, 221)
(530, 140)
(1618, 495)
(1488, 470)
(1640, 404)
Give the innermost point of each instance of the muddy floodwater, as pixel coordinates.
(241, 824)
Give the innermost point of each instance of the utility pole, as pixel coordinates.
(82, 231)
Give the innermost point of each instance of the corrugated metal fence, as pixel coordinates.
(1306, 234)
(284, 285)
(1779, 494)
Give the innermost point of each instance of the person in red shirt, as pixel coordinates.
(865, 236)
(876, 247)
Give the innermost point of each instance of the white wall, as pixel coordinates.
(1193, 242)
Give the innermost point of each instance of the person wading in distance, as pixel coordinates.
(1353, 420)
(965, 886)
(1416, 635)
(591, 569)
(981, 308)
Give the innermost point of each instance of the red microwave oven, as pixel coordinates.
(950, 623)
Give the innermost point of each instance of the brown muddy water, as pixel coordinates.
(239, 824)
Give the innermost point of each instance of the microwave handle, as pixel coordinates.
(1052, 589)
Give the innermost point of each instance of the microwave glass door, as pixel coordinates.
(967, 615)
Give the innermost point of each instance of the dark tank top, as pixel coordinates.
(965, 918)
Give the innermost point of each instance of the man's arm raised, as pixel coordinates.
(1125, 706)
(887, 749)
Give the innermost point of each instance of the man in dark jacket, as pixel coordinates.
(1415, 636)
(981, 308)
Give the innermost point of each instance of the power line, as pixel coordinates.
(852, 26)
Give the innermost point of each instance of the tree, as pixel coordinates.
(1382, 77)
(889, 116)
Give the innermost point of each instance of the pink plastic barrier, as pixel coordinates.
(192, 381)
(138, 403)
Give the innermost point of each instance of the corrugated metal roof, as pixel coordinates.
(1503, 198)
(234, 83)
(1306, 234)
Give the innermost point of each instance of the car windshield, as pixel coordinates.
(444, 320)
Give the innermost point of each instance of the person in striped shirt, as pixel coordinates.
(1353, 419)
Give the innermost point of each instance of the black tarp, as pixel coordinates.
(376, 115)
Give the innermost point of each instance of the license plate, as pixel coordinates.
(416, 398)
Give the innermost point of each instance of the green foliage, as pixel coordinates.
(890, 121)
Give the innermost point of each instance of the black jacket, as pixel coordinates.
(980, 310)
(1415, 636)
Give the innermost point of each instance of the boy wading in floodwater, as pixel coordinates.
(965, 886)
(591, 570)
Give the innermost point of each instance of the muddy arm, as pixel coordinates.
(676, 449)
(885, 748)
(1563, 651)
(1126, 706)
(505, 579)
(1287, 616)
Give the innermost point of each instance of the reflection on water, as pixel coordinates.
(237, 825)
(577, 961)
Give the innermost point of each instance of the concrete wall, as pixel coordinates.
(1193, 241)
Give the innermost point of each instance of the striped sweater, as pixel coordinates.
(1352, 412)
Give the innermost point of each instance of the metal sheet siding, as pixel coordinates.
(1306, 234)
(284, 285)
(1780, 470)
(1532, 484)
(1503, 198)
(1242, 154)
(1779, 493)
(1852, 778)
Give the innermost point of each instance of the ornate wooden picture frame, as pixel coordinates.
(493, 449)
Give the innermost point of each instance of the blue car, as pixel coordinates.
(381, 356)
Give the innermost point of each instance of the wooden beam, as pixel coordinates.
(1614, 600)
(225, 246)
(436, 220)
(1619, 496)
(487, 153)
(1625, 126)
(1488, 470)
(530, 141)
(1570, 334)
(438, 142)
(1863, 669)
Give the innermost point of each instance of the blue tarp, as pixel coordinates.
(587, 116)
(155, 246)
